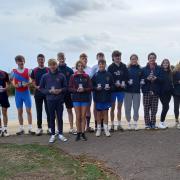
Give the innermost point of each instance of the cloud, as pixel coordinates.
(69, 8)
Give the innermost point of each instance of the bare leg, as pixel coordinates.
(70, 116)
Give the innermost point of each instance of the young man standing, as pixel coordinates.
(119, 72)
(39, 97)
(67, 71)
(54, 86)
(4, 102)
(21, 80)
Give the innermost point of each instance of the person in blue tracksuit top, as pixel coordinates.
(132, 95)
(152, 77)
(54, 86)
(102, 85)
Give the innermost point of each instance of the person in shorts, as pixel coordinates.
(4, 102)
(20, 78)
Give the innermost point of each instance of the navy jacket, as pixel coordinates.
(56, 80)
(67, 71)
(167, 83)
(36, 75)
(152, 86)
(74, 82)
(176, 79)
(118, 73)
(135, 73)
(102, 77)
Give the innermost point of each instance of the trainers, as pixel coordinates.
(90, 130)
(98, 132)
(62, 138)
(129, 127)
(153, 127)
(39, 132)
(78, 137)
(107, 133)
(112, 128)
(120, 128)
(136, 126)
(5, 133)
(49, 131)
(52, 139)
(147, 127)
(162, 125)
(30, 132)
(73, 132)
(178, 126)
(21, 132)
(84, 138)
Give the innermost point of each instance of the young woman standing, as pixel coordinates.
(80, 86)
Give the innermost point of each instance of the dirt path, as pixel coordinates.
(142, 155)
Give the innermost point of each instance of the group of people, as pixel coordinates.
(108, 86)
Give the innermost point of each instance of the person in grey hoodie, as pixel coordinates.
(54, 86)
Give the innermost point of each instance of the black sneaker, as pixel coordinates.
(20, 133)
(31, 132)
(84, 138)
(120, 128)
(112, 128)
(78, 137)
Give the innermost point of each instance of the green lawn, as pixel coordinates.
(44, 162)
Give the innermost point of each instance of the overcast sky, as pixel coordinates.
(29, 27)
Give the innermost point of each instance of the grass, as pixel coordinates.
(44, 162)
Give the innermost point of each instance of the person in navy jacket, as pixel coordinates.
(119, 72)
(165, 91)
(132, 95)
(54, 86)
(151, 82)
(176, 93)
(80, 86)
(67, 71)
(102, 86)
(39, 97)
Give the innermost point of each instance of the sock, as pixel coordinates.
(96, 124)
(119, 123)
(105, 126)
(21, 127)
(101, 123)
(88, 121)
(99, 126)
(30, 126)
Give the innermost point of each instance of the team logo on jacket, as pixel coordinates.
(118, 73)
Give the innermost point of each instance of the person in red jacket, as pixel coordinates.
(80, 86)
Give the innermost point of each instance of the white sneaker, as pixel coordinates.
(178, 126)
(73, 131)
(5, 133)
(136, 127)
(52, 139)
(162, 125)
(106, 130)
(39, 132)
(62, 138)
(98, 132)
(129, 127)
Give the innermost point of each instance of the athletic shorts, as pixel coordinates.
(117, 95)
(80, 104)
(103, 106)
(68, 101)
(23, 97)
(4, 102)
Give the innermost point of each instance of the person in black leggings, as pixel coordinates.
(166, 91)
(176, 82)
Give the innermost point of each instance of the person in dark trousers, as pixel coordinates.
(119, 72)
(39, 97)
(132, 94)
(4, 102)
(54, 86)
(151, 79)
(102, 87)
(176, 93)
(67, 71)
(166, 91)
(80, 86)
